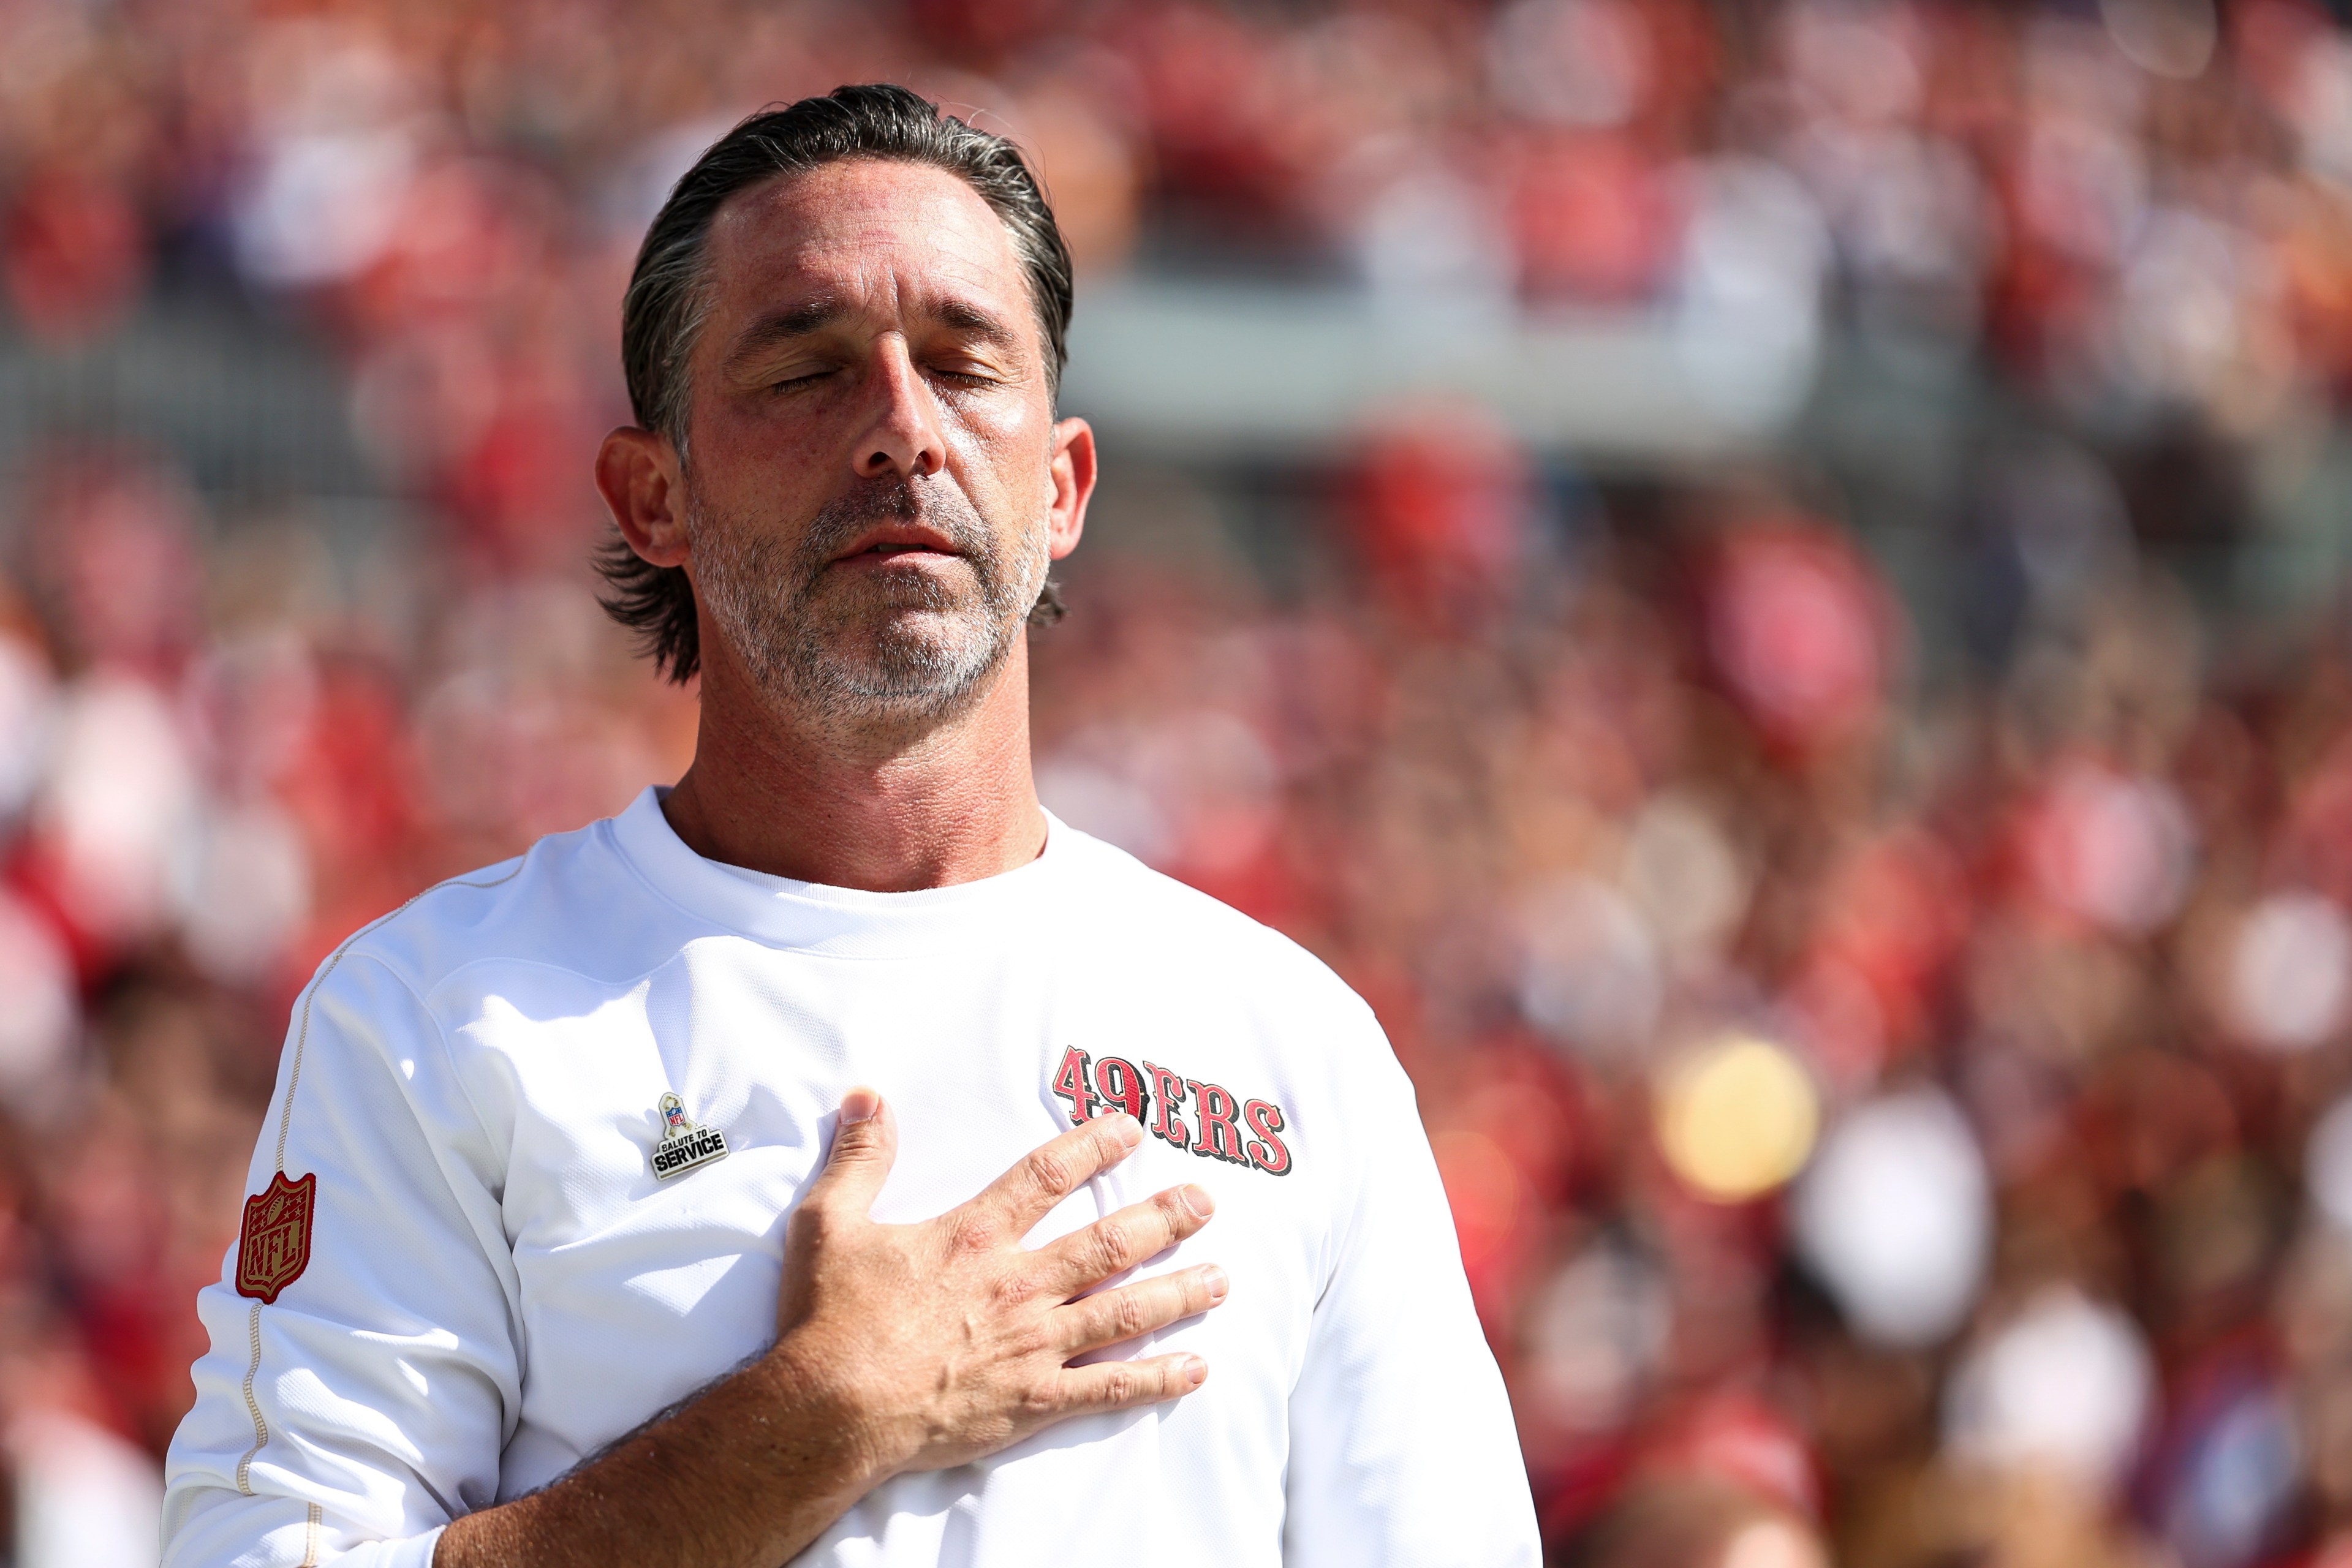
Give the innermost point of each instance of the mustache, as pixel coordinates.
(895, 499)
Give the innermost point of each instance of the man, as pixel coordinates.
(578, 1236)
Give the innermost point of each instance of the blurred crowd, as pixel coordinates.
(1883, 1008)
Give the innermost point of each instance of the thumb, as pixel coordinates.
(864, 1142)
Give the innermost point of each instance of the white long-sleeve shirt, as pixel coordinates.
(460, 1275)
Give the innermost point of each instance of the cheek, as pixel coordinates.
(986, 424)
(1007, 465)
(746, 458)
(761, 439)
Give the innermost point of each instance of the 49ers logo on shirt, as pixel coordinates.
(273, 1246)
(1239, 1132)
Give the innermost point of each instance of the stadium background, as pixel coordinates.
(1767, 580)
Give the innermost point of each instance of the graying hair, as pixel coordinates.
(668, 303)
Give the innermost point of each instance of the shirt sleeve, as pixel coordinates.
(1403, 1449)
(351, 1417)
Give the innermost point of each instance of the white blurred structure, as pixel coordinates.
(1591, 974)
(1685, 877)
(117, 800)
(2064, 1386)
(85, 1497)
(1896, 1215)
(1596, 1333)
(42, 1009)
(2291, 972)
(243, 888)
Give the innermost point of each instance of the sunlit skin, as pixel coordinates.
(865, 319)
(869, 320)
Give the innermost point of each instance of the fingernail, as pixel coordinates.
(1124, 1129)
(1196, 1371)
(1198, 1200)
(859, 1104)
(1218, 1284)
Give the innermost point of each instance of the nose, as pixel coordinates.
(903, 437)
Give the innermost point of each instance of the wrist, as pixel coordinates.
(804, 1373)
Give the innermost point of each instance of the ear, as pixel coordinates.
(1072, 475)
(643, 486)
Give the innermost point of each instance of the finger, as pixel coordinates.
(1121, 1240)
(1049, 1173)
(864, 1142)
(1132, 1311)
(1124, 1385)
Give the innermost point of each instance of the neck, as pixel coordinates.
(894, 811)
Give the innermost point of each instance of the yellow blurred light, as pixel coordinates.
(1737, 1118)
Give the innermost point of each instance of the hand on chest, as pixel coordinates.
(663, 1138)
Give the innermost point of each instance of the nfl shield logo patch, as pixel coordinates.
(274, 1246)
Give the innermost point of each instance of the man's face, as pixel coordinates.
(870, 468)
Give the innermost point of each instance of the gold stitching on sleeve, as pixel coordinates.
(310, 1539)
(285, 1124)
(260, 1426)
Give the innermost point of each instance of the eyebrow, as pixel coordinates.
(784, 325)
(793, 321)
(965, 317)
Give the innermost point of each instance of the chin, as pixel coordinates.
(918, 665)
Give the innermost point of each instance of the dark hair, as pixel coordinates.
(662, 314)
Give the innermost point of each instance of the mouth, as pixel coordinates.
(896, 541)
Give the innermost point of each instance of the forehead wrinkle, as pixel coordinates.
(864, 225)
(866, 192)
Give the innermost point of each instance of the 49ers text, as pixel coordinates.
(1239, 1132)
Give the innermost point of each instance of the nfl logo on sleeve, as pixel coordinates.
(683, 1145)
(273, 1246)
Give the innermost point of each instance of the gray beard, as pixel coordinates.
(869, 651)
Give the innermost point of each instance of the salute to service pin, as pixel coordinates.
(683, 1144)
